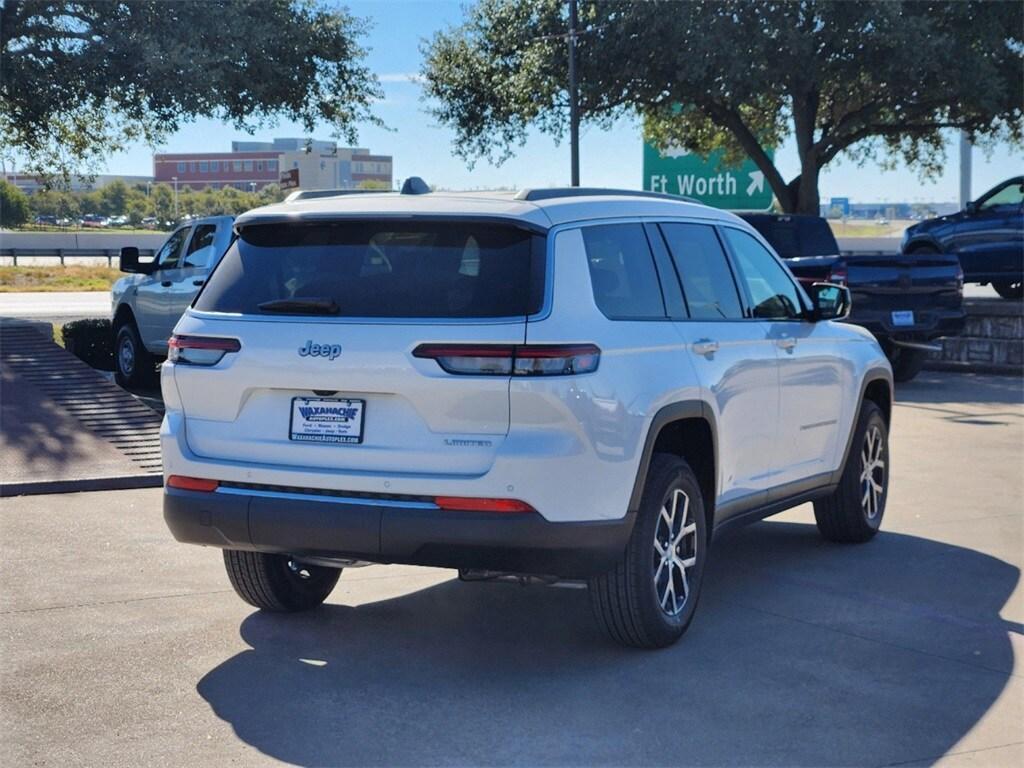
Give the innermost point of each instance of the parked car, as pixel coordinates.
(148, 303)
(149, 222)
(907, 301)
(564, 383)
(94, 220)
(987, 236)
(45, 219)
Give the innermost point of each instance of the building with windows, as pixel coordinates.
(294, 163)
(30, 184)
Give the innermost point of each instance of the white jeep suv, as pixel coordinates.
(572, 384)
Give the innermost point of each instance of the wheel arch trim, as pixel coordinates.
(669, 414)
(872, 376)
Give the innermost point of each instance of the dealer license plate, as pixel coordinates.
(326, 420)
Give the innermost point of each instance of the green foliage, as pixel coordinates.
(82, 78)
(14, 210)
(874, 80)
(91, 341)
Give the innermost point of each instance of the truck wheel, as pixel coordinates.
(907, 363)
(853, 512)
(135, 366)
(277, 582)
(648, 599)
(1009, 289)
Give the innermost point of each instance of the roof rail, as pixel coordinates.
(414, 185)
(552, 193)
(313, 194)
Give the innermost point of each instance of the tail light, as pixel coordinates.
(199, 350)
(512, 359)
(192, 483)
(468, 504)
(838, 275)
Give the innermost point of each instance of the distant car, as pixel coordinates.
(906, 300)
(148, 302)
(987, 236)
(94, 220)
(117, 221)
(149, 222)
(882, 221)
(46, 220)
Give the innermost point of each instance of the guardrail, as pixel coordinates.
(110, 254)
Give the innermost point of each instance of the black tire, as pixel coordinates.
(627, 600)
(853, 513)
(1009, 289)
(907, 363)
(134, 366)
(278, 583)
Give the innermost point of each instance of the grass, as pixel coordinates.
(77, 278)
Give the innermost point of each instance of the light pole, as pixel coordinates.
(175, 180)
(574, 107)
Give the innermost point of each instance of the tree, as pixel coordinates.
(162, 198)
(372, 184)
(874, 81)
(13, 205)
(114, 198)
(81, 78)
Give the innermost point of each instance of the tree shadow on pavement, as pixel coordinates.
(801, 653)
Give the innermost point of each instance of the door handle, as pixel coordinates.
(197, 282)
(705, 347)
(166, 283)
(786, 343)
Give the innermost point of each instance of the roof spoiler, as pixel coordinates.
(553, 193)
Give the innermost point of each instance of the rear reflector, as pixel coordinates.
(469, 504)
(192, 483)
(509, 359)
(200, 350)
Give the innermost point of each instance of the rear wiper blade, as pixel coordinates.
(299, 306)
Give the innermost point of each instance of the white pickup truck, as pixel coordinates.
(147, 303)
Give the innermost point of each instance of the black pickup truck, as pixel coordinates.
(906, 300)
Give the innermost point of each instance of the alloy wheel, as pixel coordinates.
(675, 553)
(872, 473)
(126, 357)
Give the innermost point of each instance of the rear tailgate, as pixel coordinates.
(326, 316)
(903, 292)
(415, 417)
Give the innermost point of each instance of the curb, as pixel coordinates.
(116, 483)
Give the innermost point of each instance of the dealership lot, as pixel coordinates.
(121, 647)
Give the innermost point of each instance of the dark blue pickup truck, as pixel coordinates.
(987, 236)
(906, 300)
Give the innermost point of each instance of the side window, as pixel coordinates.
(622, 272)
(771, 291)
(1011, 195)
(167, 256)
(200, 247)
(708, 285)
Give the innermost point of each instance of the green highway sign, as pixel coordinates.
(677, 172)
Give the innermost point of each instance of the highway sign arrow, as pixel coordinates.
(756, 182)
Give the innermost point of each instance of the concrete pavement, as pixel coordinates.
(121, 647)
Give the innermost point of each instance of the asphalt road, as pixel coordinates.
(120, 647)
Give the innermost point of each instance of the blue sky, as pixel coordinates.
(608, 158)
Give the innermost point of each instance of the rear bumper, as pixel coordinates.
(383, 531)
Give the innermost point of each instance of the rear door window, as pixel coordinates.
(622, 272)
(708, 285)
(429, 269)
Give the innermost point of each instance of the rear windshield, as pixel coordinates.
(425, 269)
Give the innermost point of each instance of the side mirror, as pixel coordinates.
(130, 261)
(831, 301)
(971, 208)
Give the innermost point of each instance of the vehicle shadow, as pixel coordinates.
(962, 389)
(802, 653)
